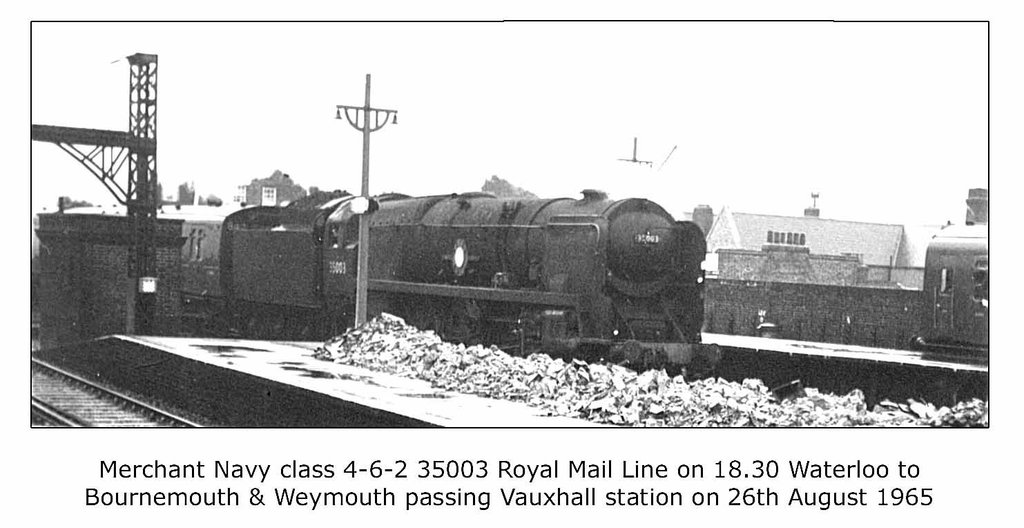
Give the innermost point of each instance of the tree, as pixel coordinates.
(286, 189)
(211, 200)
(65, 202)
(504, 189)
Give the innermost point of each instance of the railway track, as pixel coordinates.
(62, 399)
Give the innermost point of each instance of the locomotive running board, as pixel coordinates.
(477, 293)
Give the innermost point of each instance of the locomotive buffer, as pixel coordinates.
(380, 118)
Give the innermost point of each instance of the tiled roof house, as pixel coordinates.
(810, 249)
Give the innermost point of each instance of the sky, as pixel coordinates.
(887, 122)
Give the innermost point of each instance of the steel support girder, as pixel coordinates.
(91, 136)
(102, 152)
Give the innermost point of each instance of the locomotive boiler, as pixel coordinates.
(593, 278)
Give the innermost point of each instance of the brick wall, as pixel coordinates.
(780, 263)
(880, 317)
(83, 277)
(58, 299)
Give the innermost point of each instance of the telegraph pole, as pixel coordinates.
(380, 118)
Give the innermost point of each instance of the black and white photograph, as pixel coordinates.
(522, 224)
(548, 264)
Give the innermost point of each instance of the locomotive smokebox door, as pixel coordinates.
(574, 261)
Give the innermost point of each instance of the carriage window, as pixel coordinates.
(981, 280)
(770, 237)
(946, 281)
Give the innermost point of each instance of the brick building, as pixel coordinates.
(881, 317)
(815, 279)
(813, 250)
(83, 276)
(277, 189)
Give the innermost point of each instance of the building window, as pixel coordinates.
(269, 196)
(946, 281)
(240, 193)
(788, 238)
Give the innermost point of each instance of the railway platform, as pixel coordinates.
(794, 348)
(246, 383)
(880, 373)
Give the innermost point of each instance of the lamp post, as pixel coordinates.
(379, 119)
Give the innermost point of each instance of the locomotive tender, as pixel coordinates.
(592, 278)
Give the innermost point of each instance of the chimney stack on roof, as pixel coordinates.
(977, 206)
(704, 217)
(813, 210)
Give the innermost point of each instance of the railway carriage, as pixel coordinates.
(956, 292)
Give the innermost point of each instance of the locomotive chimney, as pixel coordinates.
(593, 195)
(704, 217)
(977, 206)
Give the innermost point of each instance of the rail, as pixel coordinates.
(52, 415)
(63, 412)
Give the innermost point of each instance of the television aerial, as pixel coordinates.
(667, 157)
(634, 160)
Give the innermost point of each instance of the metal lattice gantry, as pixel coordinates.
(103, 153)
(142, 125)
(142, 183)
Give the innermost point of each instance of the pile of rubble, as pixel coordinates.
(613, 394)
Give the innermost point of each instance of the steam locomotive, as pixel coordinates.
(589, 278)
